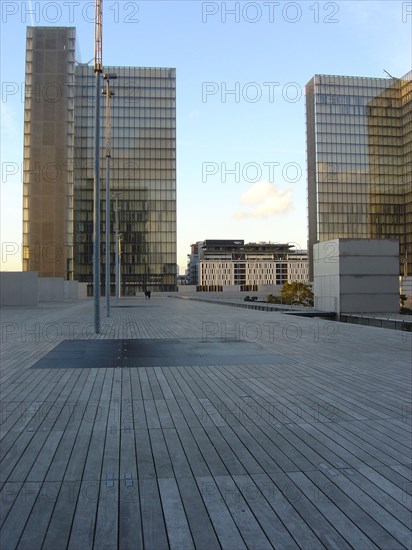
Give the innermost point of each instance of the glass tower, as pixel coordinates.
(142, 167)
(48, 152)
(142, 176)
(359, 153)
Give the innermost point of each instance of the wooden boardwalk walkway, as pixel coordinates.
(218, 428)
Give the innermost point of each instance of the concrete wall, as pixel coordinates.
(73, 290)
(326, 280)
(19, 288)
(356, 275)
(82, 291)
(26, 288)
(51, 289)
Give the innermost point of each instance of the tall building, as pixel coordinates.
(142, 167)
(359, 156)
(48, 152)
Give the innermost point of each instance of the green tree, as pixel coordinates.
(297, 293)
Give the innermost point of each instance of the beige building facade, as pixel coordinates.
(248, 266)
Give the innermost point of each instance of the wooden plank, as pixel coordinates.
(106, 529)
(154, 385)
(18, 515)
(176, 413)
(145, 384)
(335, 490)
(259, 504)
(349, 453)
(44, 458)
(373, 437)
(94, 458)
(144, 456)
(130, 520)
(389, 497)
(286, 456)
(261, 453)
(190, 411)
(152, 418)
(201, 526)
(8, 494)
(163, 414)
(167, 392)
(84, 519)
(246, 455)
(139, 415)
(154, 528)
(209, 452)
(160, 453)
(313, 449)
(177, 454)
(283, 496)
(178, 531)
(355, 489)
(228, 457)
(37, 525)
(26, 414)
(194, 456)
(310, 497)
(63, 454)
(227, 531)
(185, 378)
(170, 375)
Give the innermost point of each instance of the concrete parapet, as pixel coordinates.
(82, 291)
(51, 289)
(19, 288)
(26, 288)
(352, 275)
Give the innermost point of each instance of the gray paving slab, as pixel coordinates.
(190, 424)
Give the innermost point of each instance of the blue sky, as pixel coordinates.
(241, 71)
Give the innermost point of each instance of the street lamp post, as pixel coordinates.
(117, 247)
(96, 189)
(107, 77)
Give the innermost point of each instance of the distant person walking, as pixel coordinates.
(147, 294)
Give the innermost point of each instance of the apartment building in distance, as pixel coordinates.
(230, 263)
(59, 167)
(359, 159)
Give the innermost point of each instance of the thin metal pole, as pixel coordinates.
(96, 212)
(107, 195)
(108, 93)
(120, 264)
(116, 250)
(107, 233)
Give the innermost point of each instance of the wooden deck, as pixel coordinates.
(279, 432)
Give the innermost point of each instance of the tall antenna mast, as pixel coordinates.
(98, 37)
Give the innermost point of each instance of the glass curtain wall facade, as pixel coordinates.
(142, 175)
(59, 167)
(48, 152)
(358, 146)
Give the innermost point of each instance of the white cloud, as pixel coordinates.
(266, 200)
